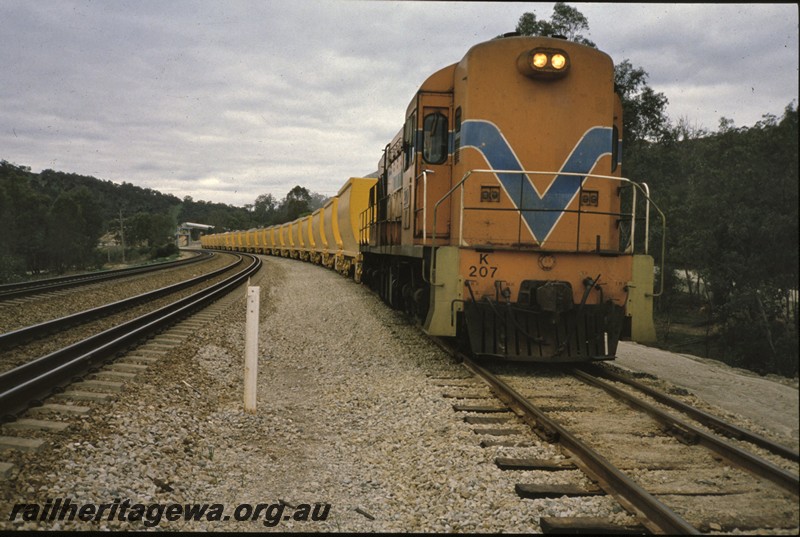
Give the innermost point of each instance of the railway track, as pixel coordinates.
(28, 384)
(34, 287)
(675, 474)
(59, 331)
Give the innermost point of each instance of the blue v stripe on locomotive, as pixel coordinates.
(540, 212)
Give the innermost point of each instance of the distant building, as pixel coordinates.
(183, 236)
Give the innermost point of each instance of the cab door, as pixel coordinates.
(433, 170)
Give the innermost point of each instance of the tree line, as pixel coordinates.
(55, 222)
(731, 200)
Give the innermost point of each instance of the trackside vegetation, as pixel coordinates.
(54, 222)
(731, 199)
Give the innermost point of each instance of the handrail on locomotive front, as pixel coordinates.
(645, 190)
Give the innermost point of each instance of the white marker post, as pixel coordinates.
(251, 350)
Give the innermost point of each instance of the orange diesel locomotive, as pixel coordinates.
(500, 215)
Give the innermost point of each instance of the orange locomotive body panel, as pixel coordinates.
(552, 127)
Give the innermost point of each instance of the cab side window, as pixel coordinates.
(408, 140)
(434, 140)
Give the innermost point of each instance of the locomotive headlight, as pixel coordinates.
(543, 63)
(558, 61)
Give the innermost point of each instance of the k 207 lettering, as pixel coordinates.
(483, 269)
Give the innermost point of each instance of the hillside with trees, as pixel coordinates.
(55, 222)
(731, 199)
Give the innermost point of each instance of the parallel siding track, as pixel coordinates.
(23, 289)
(28, 384)
(21, 335)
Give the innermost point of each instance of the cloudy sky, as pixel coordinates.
(224, 101)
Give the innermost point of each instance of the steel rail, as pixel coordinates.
(21, 289)
(27, 333)
(655, 515)
(51, 373)
(739, 457)
(703, 417)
